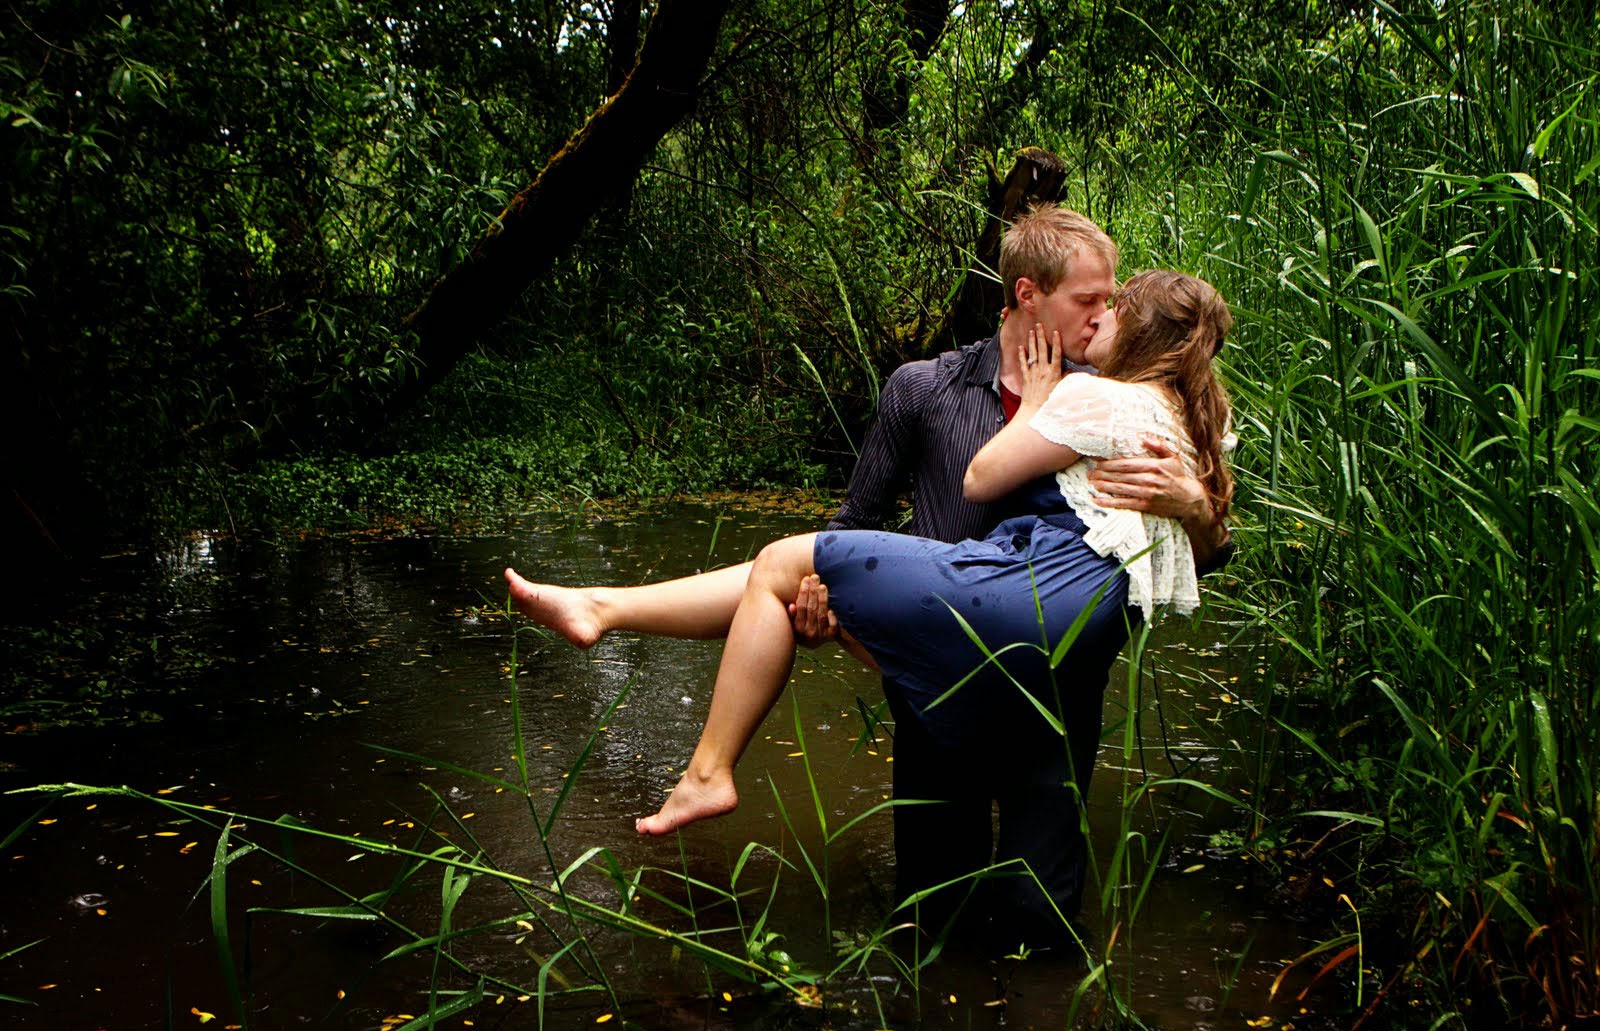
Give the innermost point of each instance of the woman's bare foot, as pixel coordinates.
(695, 798)
(568, 611)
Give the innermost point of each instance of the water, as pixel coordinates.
(306, 654)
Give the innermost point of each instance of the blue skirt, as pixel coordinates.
(921, 607)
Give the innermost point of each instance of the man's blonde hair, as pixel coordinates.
(1042, 243)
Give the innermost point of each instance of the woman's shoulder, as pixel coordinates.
(1084, 386)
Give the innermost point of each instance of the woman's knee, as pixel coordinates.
(781, 565)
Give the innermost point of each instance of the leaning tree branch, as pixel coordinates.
(546, 218)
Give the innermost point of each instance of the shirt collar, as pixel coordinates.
(986, 370)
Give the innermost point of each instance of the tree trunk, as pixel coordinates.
(544, 220)
(1038, 175)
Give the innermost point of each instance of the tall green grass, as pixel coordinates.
(1404, 217)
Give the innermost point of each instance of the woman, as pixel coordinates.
(1028, 582)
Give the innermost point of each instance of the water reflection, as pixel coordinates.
(327, 646)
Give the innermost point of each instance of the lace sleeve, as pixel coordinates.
(1089, 415)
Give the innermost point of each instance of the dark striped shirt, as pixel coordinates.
(933, 416)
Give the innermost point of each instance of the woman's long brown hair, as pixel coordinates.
(1169, 327)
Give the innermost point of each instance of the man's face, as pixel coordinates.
(1074, 308)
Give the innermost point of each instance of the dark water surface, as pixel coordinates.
(315, 650)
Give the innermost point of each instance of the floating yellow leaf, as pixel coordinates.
(205, 1018)
(46, 823)
(794, 755)
(604, 1017)
(166, 834)
(1196, 868)
(727, 996)
(1259, 1022)
(952, 1000)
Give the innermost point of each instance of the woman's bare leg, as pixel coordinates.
(698, 607)
(755, 667)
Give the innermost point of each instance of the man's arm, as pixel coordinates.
(888, 455)
(882, 471)
(1159, 484)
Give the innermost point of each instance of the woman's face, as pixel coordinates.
(1099, 349)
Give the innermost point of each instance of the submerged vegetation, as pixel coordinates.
(1401, 201)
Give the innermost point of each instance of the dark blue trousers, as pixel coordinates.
(1034, 777)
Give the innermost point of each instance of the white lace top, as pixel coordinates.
(1107, 418)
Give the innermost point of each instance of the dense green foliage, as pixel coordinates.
(213, 219)
(1412, 233)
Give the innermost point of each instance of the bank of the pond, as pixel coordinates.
(479, 478)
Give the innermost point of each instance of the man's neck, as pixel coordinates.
(1013, 334)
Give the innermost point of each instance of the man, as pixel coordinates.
(1058, 270)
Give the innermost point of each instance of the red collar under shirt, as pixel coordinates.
(1009, 401)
